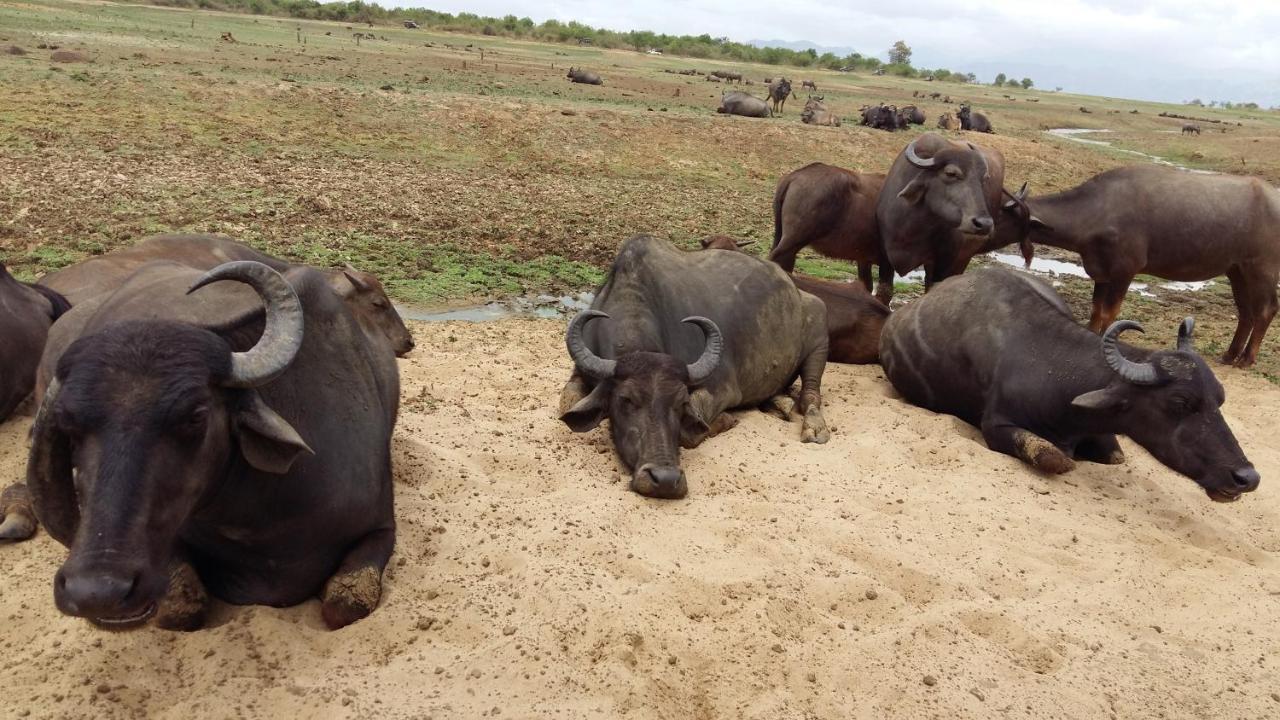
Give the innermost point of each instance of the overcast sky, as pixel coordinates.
(1171, 50)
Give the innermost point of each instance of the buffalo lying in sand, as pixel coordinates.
(585, 77)
(227, 430)
(675, 339)
(816, 113)
(1000, 350)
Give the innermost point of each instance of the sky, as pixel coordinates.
(1168, 50)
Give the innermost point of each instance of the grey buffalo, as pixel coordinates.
(675, 339)
(585, 77)
(744, 104)
(1000, 350)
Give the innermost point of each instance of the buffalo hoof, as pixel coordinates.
(185, 607)
(17, 513)
(1116, 457)
(1044, 455)
(779, 406)
(348, 597)
(815, 427)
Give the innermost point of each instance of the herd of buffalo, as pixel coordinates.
(211, 421)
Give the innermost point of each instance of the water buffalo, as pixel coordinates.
(683, 337)
(816, 113)
(913, 114)
(832, 210)
(1000, 350)
(883, 117)
(947, 122)
(938, 204)
(586, 77)
(745, 104)
(779, 91)
(727, 75)
(1172, 224)
(26, 312)
(1190, 128)
(227, 430)
(970, 120)
(854, 318)
(809, 85)
(99, 275)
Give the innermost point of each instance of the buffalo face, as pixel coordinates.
(1170, 405)
(950, 185)
(646, 396)
(367, 299)
(140, 424)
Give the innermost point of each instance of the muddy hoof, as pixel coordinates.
(348, 597)
(815, 428)
(779, 406)
(185, 607)
(1052, 460)
(18, 515)
(1115, 457)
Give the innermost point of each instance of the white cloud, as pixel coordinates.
(1151, 49)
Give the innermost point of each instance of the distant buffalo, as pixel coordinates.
(728, 76)
(1190, 128)
(816, 113)
(809, 85)
(779, 91)
(970, 120)
(744, 104)
(947, 122)
(912, 114)
(585, 77)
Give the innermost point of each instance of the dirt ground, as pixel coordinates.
(902, 570)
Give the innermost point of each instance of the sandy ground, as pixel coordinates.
(794, 582)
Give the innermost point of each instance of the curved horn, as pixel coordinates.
(710, 359)
(1184, 335)
(53, 494)
(916, 159)
(1137, 373)
(1022, 193)
(587, 361)
(282, 334)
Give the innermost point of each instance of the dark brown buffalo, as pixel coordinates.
(675, 339)
(832, 210)
(913, 114)
(970, 120)
(26, 312)
(103, 274)
(854, 318)
(1172, 224)
(779, 91)
(938, 206)
(1000, 350)
(227, 430)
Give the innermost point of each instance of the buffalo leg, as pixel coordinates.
(1025, 445)
(784, 255)
(1262, 300)
(814, 428)
(884, 283)
(1102, 449)
(864, 274)
(779, 406)
(354, 590)
(185, 605)
(17, 513)
(1107, 300)
(1244, 315)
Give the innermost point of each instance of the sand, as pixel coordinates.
(902, 570)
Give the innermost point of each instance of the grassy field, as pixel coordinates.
(462, 167)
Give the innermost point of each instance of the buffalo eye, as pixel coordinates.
(952, 173)
(1186, 404)
(192, 423)
(380, 303)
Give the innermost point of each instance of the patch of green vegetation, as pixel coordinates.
(52, 257)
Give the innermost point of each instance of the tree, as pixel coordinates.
(999, 80)
(900, 54)
(1027, 83)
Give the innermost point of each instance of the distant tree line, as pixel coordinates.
(1226, 104)
(695, 46)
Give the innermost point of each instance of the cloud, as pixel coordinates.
(1169, 50)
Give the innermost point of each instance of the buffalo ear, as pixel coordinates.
(1039, 224)
(588, 412)
(267, 440)
(913, 192)
(1105, 399)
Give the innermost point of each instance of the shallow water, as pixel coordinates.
(540, 306)
(1074, 135)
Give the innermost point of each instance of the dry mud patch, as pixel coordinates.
(795, 581)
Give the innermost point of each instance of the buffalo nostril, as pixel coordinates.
(1246, 479)
(983, 224)
(94, 594)
(666, 477)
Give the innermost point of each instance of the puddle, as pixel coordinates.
(539, 306)
(1075, 135)
(1056, 268)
